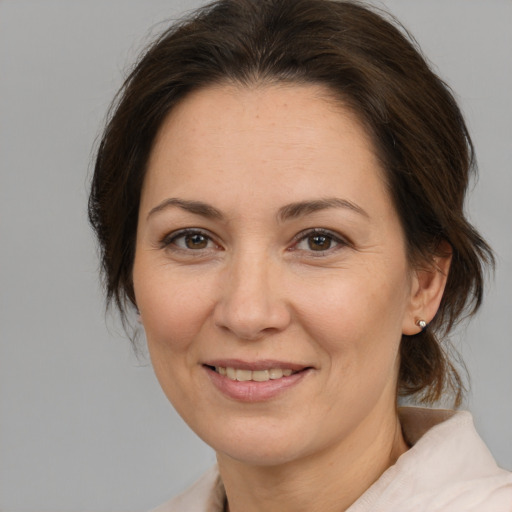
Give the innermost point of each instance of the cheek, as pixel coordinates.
(173, 312)
(358, 313)
(173, 309)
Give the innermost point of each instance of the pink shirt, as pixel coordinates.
(448, 469)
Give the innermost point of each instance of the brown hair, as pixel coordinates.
(370, 65)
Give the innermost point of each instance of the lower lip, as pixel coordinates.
(252, 391)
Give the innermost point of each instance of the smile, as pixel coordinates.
(242, 375)
(255, 381)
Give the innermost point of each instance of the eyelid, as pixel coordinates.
(339, 239)
(167, 240)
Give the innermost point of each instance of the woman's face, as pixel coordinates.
(270, 272)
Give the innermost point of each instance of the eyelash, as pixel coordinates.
(170, 240)
(332, 237)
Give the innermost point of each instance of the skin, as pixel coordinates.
(255, 285)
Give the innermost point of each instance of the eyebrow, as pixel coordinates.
(294, 210)
(196, 207)
(287, 212)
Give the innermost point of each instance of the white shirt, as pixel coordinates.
(447, 469)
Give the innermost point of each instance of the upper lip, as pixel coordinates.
(262, 364)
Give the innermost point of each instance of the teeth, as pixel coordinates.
(260, 375)
(243, 375)
(276, 373)
(256, 375)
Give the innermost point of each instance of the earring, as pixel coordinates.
(421, 324)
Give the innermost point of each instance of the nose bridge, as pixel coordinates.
(251, 302)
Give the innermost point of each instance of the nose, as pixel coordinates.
(252, 303)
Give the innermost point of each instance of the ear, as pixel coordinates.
(427, 288)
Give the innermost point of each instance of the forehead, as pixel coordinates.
(296, 137)
(263, 109)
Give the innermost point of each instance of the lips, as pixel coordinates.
(242, 375)
(256, 381)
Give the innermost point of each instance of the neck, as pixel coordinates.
(329, 481)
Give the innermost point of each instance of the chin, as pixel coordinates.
(263, 455)
(260, 444)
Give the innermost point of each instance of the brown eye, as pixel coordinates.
(319, 242)
(189, 240)
(196, 241)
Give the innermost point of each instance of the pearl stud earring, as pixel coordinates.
(421, 324)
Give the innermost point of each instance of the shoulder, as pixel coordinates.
(206, 495)
(448, 469)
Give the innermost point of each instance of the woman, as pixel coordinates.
(279, 195)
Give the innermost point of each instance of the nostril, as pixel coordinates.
(252, 321)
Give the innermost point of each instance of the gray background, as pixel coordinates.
(84, 425)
